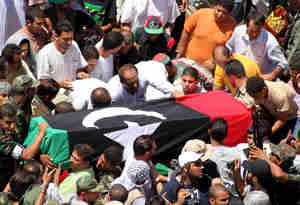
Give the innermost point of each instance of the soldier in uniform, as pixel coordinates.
(11, 144)
(21, 95)
(293, 33)
(109, 169)
(42, 102)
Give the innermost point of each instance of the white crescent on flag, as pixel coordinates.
(125, 137)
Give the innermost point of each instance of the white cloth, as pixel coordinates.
(136, 11)
(256, 197)
(105, 66)
(53, 64)
(264, 50)
(128, 184)
(222, 156)
(81, 93)
(53, 193)
(12, 15)
(149, 73)
(72, 200)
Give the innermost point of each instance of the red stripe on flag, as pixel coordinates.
(219, 104)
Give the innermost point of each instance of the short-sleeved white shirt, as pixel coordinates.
(104, 68)
(53, 64)
(136, 11)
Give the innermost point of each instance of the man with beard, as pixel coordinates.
(186, 187)
(129, 87)
(11, 148)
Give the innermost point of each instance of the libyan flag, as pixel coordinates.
(171, 121)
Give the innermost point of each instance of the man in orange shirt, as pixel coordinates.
(204, 30)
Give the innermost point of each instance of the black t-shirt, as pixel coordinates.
(197, 197)
(131, 57)
(148, 48)
(78, 17)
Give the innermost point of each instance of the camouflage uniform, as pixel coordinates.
(105, 180)
(39, 108)
(293, 46)
(23, 114)
(6, 198)
(7, 163)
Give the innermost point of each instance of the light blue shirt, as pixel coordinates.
(264, 50)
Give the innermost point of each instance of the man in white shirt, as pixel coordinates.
(135, 12)
(61, 59)
(81, 92)
(129, 87)
(253, 41)
(107, 47)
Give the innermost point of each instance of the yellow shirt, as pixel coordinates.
(251, 69)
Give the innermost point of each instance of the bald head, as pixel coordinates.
(118, 193)
(215, 189)
(221, 55)
(100, 98)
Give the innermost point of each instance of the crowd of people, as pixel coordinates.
(61, 56)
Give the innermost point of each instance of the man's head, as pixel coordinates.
(87, 189)
(8, 114)
(255, 22)
(35, 168)
(263, 129)
(189, 80)
(91, 55)
(118, 193)
(111, 158)
(221, 55)
(294, 69)
(222, 9)
(112, 42)
(138, 172)
(218, 195)
(144, 146)
(23, 89)
(153, 27)
(47, 90)
(81, 156)
(36, 20)
(64, 107)
(166, 60)
(259, 172)
(218, 130)
(234, 71)
(65, 35)
(20, 182)
(283, 155)
(12, 53)
(100, 98)
(129, 78)
(191, 164)
(257, 89)
(5, 88)
(128, 41)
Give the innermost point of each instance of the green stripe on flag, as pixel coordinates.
(55, 143)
